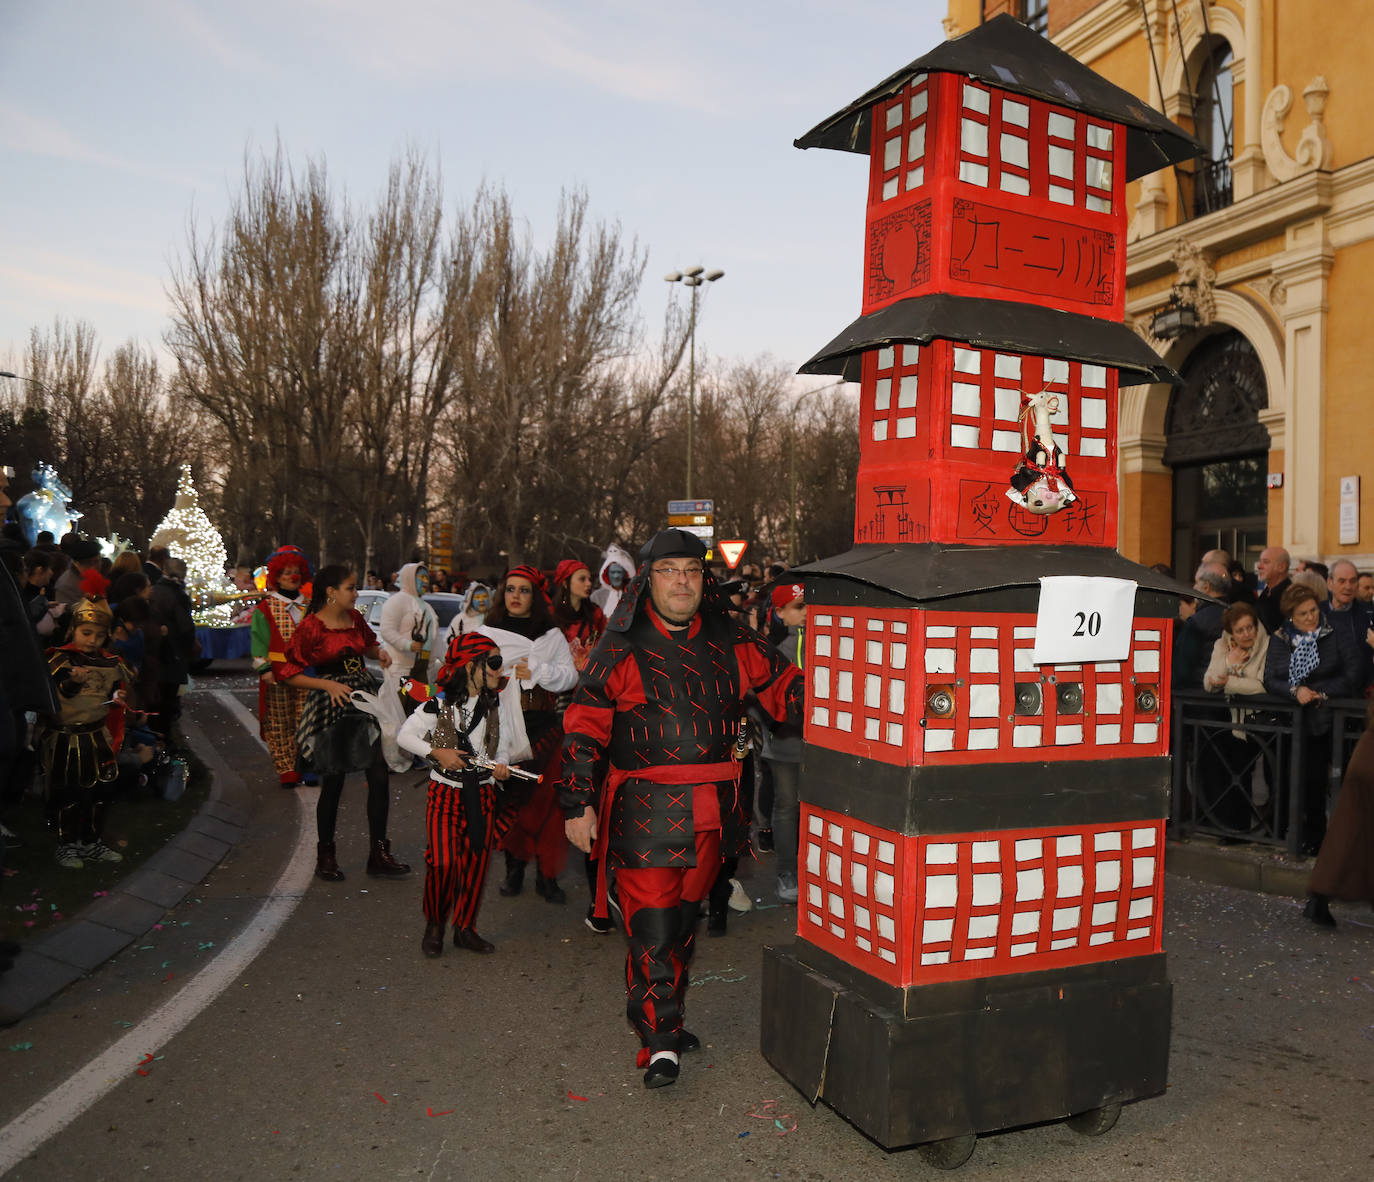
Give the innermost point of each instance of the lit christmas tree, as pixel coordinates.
(190, 535)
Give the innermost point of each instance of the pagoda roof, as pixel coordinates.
(930, 570)
(1004, 53)
(994, 324)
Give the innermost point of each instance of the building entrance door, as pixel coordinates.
(1220, 505)
(1218, 450)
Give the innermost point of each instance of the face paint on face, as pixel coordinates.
(422, 580)
(615, 575)
(481, 601)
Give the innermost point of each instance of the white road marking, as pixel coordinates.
(241, 712)
(48, 1116)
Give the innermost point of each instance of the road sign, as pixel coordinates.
(732, 552)
(682, 519)
(676, 507)
(705, 532)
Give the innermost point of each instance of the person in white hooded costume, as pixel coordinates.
(410, 632)
(617, 568)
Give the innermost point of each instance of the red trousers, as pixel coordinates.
(661, 906)
(458, 850)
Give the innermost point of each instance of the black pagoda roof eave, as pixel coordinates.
(923, 572)
(993, 324)
(1039, 69)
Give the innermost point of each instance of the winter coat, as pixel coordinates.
(1334, 675)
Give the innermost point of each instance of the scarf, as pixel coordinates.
(1304, 660)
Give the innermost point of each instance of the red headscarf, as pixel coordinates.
(463, 649)
(567, 568)
(536, 580)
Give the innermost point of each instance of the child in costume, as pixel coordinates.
(467, 810)
(274, 622)
(79, 745)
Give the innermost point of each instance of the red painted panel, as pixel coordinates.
(921, 910)
(1024, 255)
(856, 654)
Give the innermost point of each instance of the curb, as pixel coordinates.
(1251, 868)
(48, 965)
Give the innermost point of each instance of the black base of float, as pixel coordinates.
(937, 1062)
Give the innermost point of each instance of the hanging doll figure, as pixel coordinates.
(79, 746)
(1040, 485)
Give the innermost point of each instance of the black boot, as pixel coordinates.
(432, 943)
(548, 889)
(326, 865)
(380, 863)
(515, 877)
(1319, 911)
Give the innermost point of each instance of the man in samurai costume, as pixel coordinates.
(663, 695)
(274, 620)
(79, 745)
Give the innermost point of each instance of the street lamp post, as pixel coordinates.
(792, 437)
(693, 277)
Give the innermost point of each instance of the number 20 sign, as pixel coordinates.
(1081, 620)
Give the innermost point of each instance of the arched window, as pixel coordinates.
(1214, 125)
(1219, 451)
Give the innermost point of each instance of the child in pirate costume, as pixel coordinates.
(467, 810)
(274, 622)
(79, 745)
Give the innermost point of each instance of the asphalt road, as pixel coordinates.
(341, 1053)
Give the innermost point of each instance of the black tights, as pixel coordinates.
(378, 799)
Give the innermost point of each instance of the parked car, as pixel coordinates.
(370, 605)
(446, 605)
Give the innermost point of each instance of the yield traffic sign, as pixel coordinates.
(732, 551)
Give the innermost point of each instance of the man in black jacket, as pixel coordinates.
(179, 647)
(1272, 569)
(24, 681)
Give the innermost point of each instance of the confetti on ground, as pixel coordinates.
(430, 1111)
(205, 945)
(574, 1096)
(142, 1063)
(382, 1098)
(745, 1133)
(99, 894)
(122, 1022)
(168, 977)
(21, 1046)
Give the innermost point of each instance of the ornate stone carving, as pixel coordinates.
(1314, 149)
(1196, 280)
(1141, 325)
(1273, 289)
(951, 27)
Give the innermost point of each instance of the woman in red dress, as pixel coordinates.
(334, 736)
(581, 620)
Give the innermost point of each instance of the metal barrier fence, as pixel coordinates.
(1242, 763)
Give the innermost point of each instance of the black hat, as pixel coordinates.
(672, 543)
(84, 549)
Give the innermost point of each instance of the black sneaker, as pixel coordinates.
(602, 927)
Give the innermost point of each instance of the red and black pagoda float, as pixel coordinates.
(986, 769)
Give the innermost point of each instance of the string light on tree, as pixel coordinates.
(190, 535)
